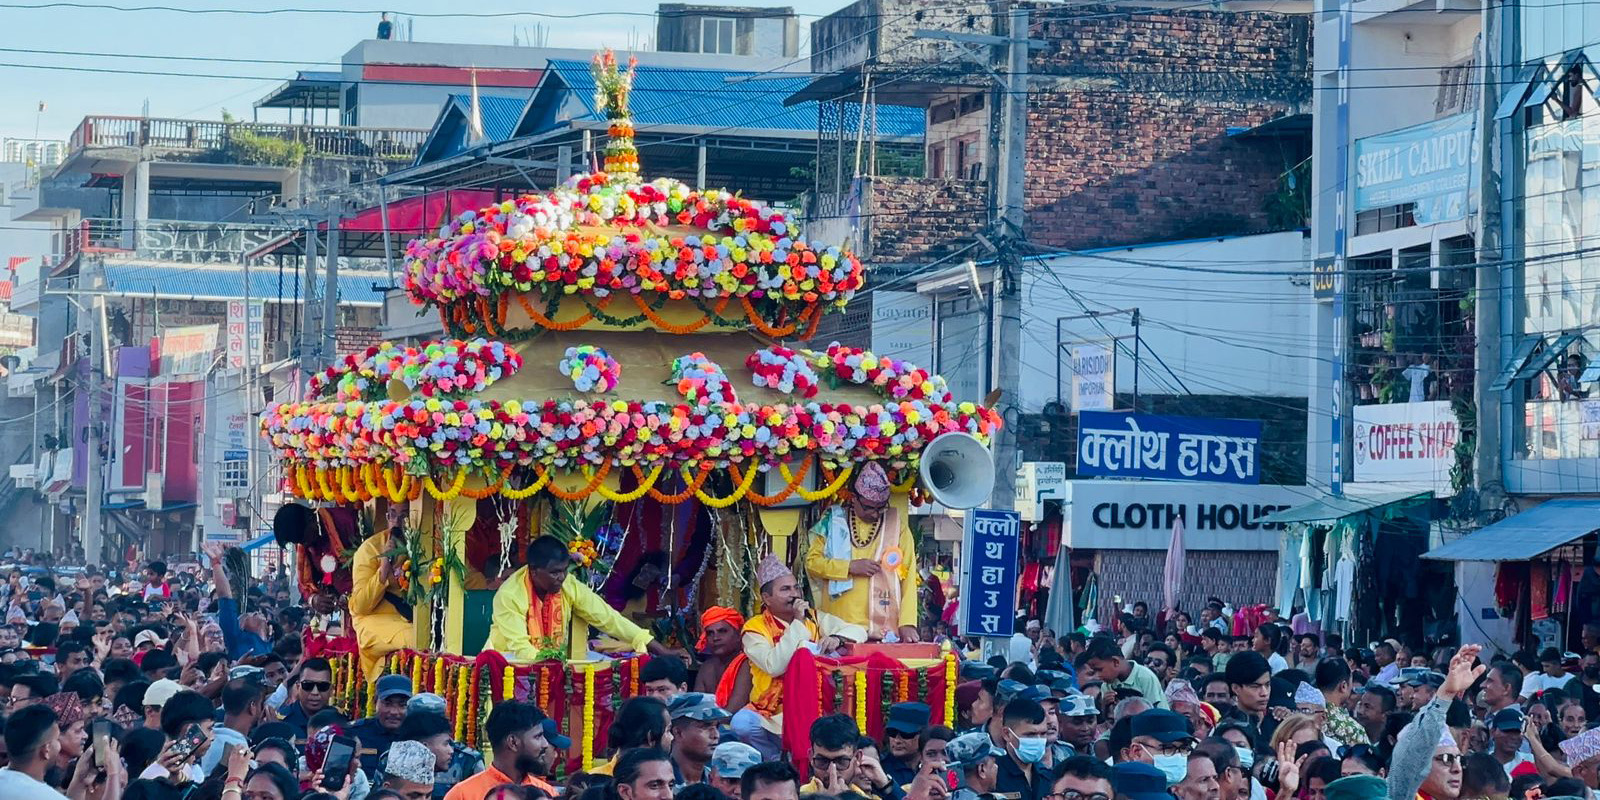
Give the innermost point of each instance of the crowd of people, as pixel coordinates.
(195, 686)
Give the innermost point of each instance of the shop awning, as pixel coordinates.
(1331, 508)
(1538, 530)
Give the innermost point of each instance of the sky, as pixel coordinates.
(70, 35)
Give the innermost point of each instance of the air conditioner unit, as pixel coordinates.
(773, 482)
(25, 476)
(154, 488)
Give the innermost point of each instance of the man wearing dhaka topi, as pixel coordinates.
(539, 606)
(786, 625)
(859, 554)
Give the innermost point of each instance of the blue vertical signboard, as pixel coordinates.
(989, 597)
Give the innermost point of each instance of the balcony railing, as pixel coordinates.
(200, 136)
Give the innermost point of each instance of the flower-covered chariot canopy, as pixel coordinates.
(618, 249)
(867, 408)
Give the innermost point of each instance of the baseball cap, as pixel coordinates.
(552, 732)
(908, 718)
(149, 636)
(731, 759)
(1411, 676)
(390, 685)
(409, 761)
(1139, 781)
(247, 673)
(1507, 719)
(161, 691)
(697, 706)
(1078, 705)
(1162, 725)
(970, 749)
(426, 702)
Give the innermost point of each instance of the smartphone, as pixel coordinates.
(336, 767)
(189, 742)
(100, 734)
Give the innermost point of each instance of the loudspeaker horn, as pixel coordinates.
(957, 471)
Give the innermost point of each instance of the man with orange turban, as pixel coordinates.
(724, 670)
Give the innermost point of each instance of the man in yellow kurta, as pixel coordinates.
(862, 561)
(785, 625)
(379, 613)
(536, 608)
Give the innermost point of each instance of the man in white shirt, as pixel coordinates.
(1020, 648)
(1552, 675)
(34, 741)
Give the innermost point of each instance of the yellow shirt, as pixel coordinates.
(508, 630)
(851, 606)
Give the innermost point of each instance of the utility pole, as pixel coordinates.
(330, 292)
(94, 491)
(310, 328)
(1008, 60)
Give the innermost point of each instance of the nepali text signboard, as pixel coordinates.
(1138, 515)
(1428, 164)
(1119, 444)
(989, 598)
(246, 333)
(1406, 442)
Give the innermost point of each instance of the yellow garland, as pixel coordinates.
(861, 699)
(349, 492)
(438, 677)
(588, 717)
(509, 685)
(302, 484)
(823, 493)
(416, 674)
(448, 494)
(461, 707)
(723, 502)
(397, 494)
(949, 687)
(908, 484)
(627, 497)
(528, 491)
(368, 472)
(322, 483)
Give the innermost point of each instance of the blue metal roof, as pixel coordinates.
(451, 135)
(1526, 535)
(718, 99)
(499, 114)
(164, 279)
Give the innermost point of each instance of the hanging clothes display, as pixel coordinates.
(1538, 590)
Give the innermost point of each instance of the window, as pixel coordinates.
(942, 112)
(969, 159)
(348, 115)
(1377, 220)
(716, 35)
(235, 474)
(936, 161)
(971, 103)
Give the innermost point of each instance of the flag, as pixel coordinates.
(41, 106)
(475, 118)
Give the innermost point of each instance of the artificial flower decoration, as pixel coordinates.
(701, 381)
(555, 244)
(612, 85)
(783, 370)
(591, 368)
(443, 368)
(892, 378)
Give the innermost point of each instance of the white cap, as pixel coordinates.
(161, 691)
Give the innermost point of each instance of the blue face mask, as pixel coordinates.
(1175, 767)
(1247, 757)
(1030, 749)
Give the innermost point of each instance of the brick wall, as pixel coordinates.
(911, 220)
(1128, 120)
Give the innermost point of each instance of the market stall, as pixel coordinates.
(617, 379)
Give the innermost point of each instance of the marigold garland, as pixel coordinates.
(825, 492)
(447, 494)
(724, 502)
(861, 699)
(588, 717)
(540, 479)
(593, 481)
(949, 689)
(645, 484)
(778, 497)
(508, 688)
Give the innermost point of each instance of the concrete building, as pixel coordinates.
(727, 30)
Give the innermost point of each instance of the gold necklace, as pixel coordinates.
(855, 536)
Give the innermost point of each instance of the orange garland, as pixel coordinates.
(651, 315)
(546, 322)
(588, 488)
(479, 494)
(673, 499)
(772, 500)
(761, 324)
